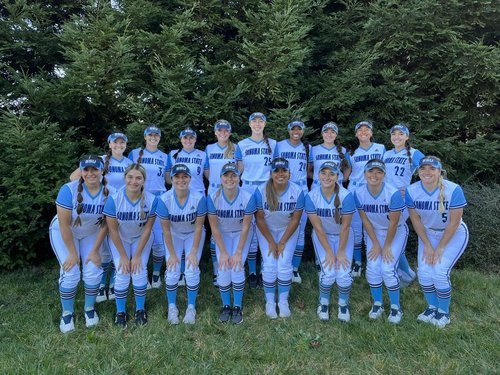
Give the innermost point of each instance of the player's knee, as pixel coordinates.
(224, 278)
(122, 281)
(92, 274)
(172, 276)
(141, 278)
(70, 280)
(238, 277)
(192, 276)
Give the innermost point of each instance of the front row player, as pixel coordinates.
(380, 207)
(436, 206)
(130, 215)
(330, 208)
(230, 213)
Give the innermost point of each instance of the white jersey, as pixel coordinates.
(290, 201)
(317, 203)
(358, 161)
(182, 217)
(378, 208)
(256, 159)
(116, 171)
(195, 160)
(216, 160)
(297, 160)
(230, 214)
(427, 203)
(92, 208)
(319, 154)
(128, 213)
(155, 164)
(398, 168)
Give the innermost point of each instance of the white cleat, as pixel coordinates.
(376, 312)
(271, 310)
(323, 313)
(284, 309)
(91, 318)
(395, 315)
(428, 315)
(344, 315)
(173, 315)
(190, 317)
(67, 323)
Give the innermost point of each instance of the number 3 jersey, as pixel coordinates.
(256, 159)
(128, 213)
(155, 164)
(427, 203)
(182, 217)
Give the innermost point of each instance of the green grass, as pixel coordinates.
(30, 341)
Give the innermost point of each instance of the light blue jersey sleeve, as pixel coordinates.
(202, 207)
(348, 205)
(168, 166)
(65, 198)
(237, 154)
(210, 206)
(162, 210)
(131, 155)
(397, 203)
(154, 207)
(458, 198)
(109, 207)
(258, 199)
(251, 207)
(276, 151)
(409, 200)
(207, 165)
(310, 206)
(311, 156)
(415, 160)
(348, 158)
(300, 202)
(356, 201)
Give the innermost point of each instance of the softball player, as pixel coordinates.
(329, 150)
(367, 150)
(230, 213)
(114, 168)
(279, 207)
(76, 233)
(435, 206)
(401, 163)
(380, 206)
(254, 156)
(154, 162)
(130, 215)
(218, 155)
(182, 212)
(297, 153)
(330, 208)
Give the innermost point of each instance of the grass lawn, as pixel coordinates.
(30, 341)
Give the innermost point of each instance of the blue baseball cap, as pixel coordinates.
(152, 130)
(114, 136)
(372, 164)
(363, 123)
(187, 133)
(295, 123)
(91, 161)
(230, 167)
(331, 166)
(280, 163)
(330, 125)
(257, 115)
(222, 124)
(180, 168)
(402, 128)
(429, 160)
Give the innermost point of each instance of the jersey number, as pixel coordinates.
(160, 171)
(267, 161)
(444, 216)
(301, 166)
(399, 171)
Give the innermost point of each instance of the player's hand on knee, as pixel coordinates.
(71, 260)
(124, 265)
(329, 261)
(192, 260)
(135, 265)
(387, 254)
(438, 255)
(428, 255)
(95, 258)
(273, 250)
(223, 261)
(172, 262)
(374, 252)
(342, 261)
(235, 261)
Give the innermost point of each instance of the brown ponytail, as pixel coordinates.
(343, 161)
(271, 196)
(266, 139)
(79, 207)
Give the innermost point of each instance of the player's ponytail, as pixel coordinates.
(266, 139)
(441, 194)
(336, 203)
(408, 152)
(344, 164)
(141, 153)
(79, 200)
(271, 195)
(143, 198)
(229, 152)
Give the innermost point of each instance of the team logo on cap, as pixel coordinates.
(180, 168)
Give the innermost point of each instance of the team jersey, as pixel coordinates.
(216, 160)
(358, 161)
(290, 201)
(317, 203)
(92, 208)
(378, 207)
(116, 171)
(297, 160)
(398, 168)
(195, 160)
(128, 213)
(319, 154)
(427, 203)
(155, 164)
(230, 214)
(256, 159)
(182, 217)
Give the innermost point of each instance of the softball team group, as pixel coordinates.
(116, 212)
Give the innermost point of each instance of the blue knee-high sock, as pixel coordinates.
(183, 262)
(121, 300)
(213, 255)
(91, 292)
(376, 291)
(105, 270)
(67, 299)
(284, 289)
(297, 257)
(112, 275)
(225, 294)
(140, 296)
(252, 263)
(430, 295)
(444, 299)
(394, 296)
(192, 293)
(344, 294)
(238, 293)
(357, 253)
(171, 294)
(324, 293)
(403, 264)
